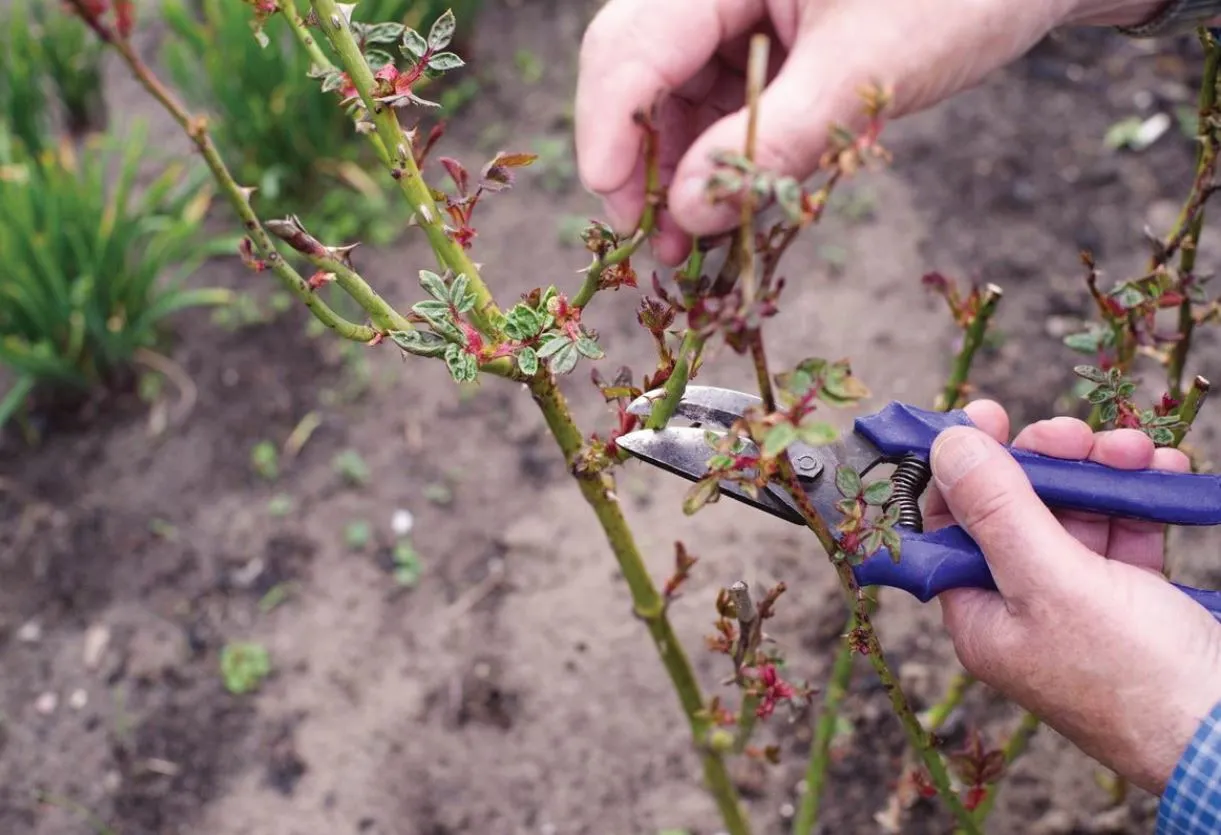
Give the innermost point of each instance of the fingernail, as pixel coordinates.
(957, 452)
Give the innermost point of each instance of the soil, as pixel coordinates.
(509, 690)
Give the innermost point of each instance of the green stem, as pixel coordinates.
(959, 685)
(1192, 402)
(689, 351)
(598, 488)
(383, 314)
(836, 690)
(402, 165)
(954, 393)
(196, 130)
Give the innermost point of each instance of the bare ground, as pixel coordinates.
(510, 691)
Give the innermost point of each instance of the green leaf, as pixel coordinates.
(872, 541)
(434, 284)
(1161, 436)
(413, 44)
(386, 32)
(522, 322)
(1128, 296)
(463, 365)
(459, 294)
(705, 491)
(1109, 412)
(1089, 372)
(848, 482)
(817, 432)
(878, 493)
(778, 439)
(442, 31)
(590, 348)
(893, 544)
(378, 58)
(445, 61)
(527, 361)
(1126, 388)
(720, 461)
(420, 343)
(564, 360)
(553, 343)
(788, 195)
(1101, 394)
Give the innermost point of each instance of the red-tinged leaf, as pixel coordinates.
(456, 172)
(124, 17)
(388, 74)
(993, 767)
(514, 160)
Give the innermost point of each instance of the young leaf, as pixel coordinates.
(463, 366)
(434, 284)
(378, 58)
(370, 33)
(421, 343)
(527, 361)
(461, 299)
(522, 322)
(878, 493)
(703, 492)
(445, 61)
(590, 348)
(778, 439)
(1100, 395)
(893, 544)
(442, 31)
(566, 358)
(817, 433)
(553, 343)
(1089, 372)
(848, 482)
(413, 44)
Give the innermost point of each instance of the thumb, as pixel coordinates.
(986, 491)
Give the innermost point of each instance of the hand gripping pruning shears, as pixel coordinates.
(903, 435)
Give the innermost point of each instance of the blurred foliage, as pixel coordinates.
(47, 56)
(275, 128)
(92, 270)
(419, 13)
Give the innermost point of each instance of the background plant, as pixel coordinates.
(547, 334)
(92, 269)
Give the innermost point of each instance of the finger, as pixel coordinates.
(838, 50)
(1141, 543)
(628, 59)
(1071, 439)
(990, 417)
(989, 495)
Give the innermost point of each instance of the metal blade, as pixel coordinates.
(685, 452)
(707, 405)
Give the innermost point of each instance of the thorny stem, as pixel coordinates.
(196, 130)
(860, 604)
(955, 392)
(648, 222)
(382, 313)
(403, 167)
(598, 488)
(756, 76)
(689, 350)
(834, 693)
(1015, 746)
(1206, 159)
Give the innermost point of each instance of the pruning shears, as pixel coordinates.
(902, 435)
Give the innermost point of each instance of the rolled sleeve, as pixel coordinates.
(1191, 804)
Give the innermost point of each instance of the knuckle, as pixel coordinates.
(988, 508)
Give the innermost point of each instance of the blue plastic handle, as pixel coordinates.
(949, 558)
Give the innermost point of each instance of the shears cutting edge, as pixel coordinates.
(903, 435)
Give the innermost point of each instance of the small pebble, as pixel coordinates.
(46, 703)
(402, 522)
(97, 638)
(787, 811)
(78, 699)
(30, 632)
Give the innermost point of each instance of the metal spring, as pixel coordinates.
(911, 476)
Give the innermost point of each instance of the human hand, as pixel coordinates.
(825, 51)
(1084, 631)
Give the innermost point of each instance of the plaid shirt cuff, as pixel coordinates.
(1191, 804)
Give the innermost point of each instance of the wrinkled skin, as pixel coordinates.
(824, 52)
(1084, 630)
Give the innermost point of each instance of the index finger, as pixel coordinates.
(633, 51)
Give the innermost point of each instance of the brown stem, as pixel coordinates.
(196, 130)
(598, 488)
